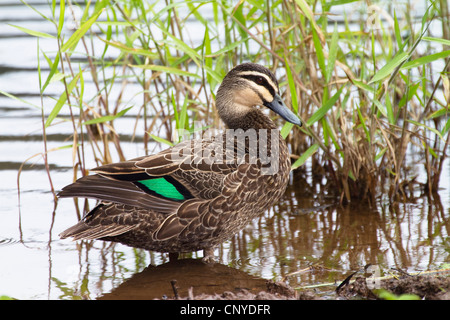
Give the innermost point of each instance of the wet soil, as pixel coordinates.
(423, 287)
(192, 279)
(416, 288)
(413, 287)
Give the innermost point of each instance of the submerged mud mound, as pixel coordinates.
(426, 287)
(423, 287)
(274, 291)
(407, 287)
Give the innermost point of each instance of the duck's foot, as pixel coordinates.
(208, 256)
(173, 256)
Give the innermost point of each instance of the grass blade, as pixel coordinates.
(107, 118)
(305, 156)
(310, 16)
(228, 48)
(332, 54)
(170, 70)
(438, 40)
(62, 9)
(319, 52)
(446, 127)
(288, 126)
(73, 40)
(9, 95)
(183, 47)
(33, 32)
(362, 85)
(427, 127)
(286, 129)
(363, 123)
(53, 67)
(319, 114)
(161, 140)
(137, 51)
(62, 99)
(292, 89)
(390, 111)
(398, 35)
(425, 60)
(387, 69)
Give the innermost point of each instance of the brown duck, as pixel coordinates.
(198, 193)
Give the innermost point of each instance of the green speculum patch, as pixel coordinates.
(164, 188)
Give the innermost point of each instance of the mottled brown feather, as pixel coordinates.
(226, 196)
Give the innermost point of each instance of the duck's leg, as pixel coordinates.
(208, 256)
(173, 256)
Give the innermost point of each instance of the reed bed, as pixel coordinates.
(369, 79)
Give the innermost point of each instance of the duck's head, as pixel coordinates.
(246, 86)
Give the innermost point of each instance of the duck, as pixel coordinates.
(199, 193)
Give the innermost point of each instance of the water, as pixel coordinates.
(306, 229)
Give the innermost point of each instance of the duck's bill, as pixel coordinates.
(278, 106)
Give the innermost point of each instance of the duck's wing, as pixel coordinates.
(160, 182)
(105, 220)
(180, 186)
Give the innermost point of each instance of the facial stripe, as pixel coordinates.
(267, 82)
(264, 94)
(259, 74)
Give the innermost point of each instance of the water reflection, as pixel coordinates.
(305, 231)
(411, 236)
(156, 282)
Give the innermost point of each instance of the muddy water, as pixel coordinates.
(307, 239)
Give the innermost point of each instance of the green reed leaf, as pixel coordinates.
(380, 107)
(107, 118)
(76, 36)
(228, 48)
(287, 127)
(446, 128)
(214, 75)
(387, 69)
(53, 67)
(389, 109)
(320, 113)
(398, 35)
(61, 101)
(439, 113)
(305, 156)
(126, 49)
(319, 52)
(62, 9)
(292, 89)
(161, 140)
(363, 123)
(362, 85)
(207, 59)
(340, 2)
(435, 131)
(308, 13)
(332, 54)
(426, 59)
(9, 95)
(180, 45)
(438, 40)
(165, 69)
(33, 32)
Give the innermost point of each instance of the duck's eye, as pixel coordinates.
(259, 80)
